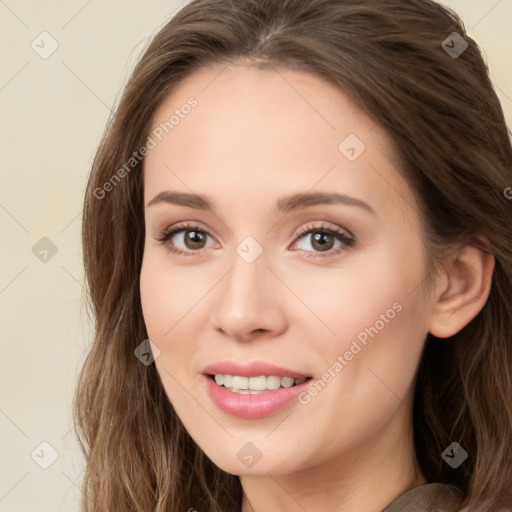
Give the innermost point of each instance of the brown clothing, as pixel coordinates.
(436, 497)
(429, 497)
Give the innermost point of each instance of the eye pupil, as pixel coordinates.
(320, 239)
(195, 237)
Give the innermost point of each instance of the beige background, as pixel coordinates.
(53, 112)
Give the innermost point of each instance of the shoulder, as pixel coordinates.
(436, 497)
(429, 497)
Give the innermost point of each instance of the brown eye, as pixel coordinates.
(194, 239)
(184, 239)
(323, 239)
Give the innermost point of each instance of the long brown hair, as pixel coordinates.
(452, 146)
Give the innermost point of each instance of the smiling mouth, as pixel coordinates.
(256, 385)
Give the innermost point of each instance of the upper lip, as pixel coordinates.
(251, 369)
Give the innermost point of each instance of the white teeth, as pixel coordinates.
(255, 385)
(287, 382)
(258, 383)
(240, 382)
(273, 382)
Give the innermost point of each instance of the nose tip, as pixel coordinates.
(247, 305)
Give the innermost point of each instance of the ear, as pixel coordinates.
(462, 291)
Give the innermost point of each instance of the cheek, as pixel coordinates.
(159, 302)
(379, 357)
(372, 297)
(154, 300)
(165, 295)
(377, 320)
(367, 372)
(170, 309)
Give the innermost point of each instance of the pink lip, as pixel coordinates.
(252, 369)
(252, 406)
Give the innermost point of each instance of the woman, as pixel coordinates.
(305, 207)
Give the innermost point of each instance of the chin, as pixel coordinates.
(245, 460)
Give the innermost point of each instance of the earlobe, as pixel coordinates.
(465, 289)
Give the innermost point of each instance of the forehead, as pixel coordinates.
(275, 129)
(288, 102)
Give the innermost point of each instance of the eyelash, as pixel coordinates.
(347, 241)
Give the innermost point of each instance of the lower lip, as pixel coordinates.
(252, 406)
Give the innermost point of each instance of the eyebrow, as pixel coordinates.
(284, 205)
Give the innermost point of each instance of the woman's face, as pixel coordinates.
(342, 305)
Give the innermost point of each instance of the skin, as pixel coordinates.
(254, 137)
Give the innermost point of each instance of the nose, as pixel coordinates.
(249, 303)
